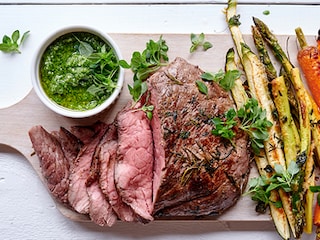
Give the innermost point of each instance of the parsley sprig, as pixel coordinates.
(144, 64)
(252, 120)
(12, 45)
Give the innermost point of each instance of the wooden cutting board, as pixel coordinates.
(16, 120)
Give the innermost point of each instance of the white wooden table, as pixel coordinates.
(26, 209)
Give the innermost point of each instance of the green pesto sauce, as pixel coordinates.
(75, 80)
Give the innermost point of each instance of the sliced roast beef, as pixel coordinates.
(108, 158)
(86, 133)
(134, 166)
(195, 171)
(100, 210)
(53, 163)
(70, 144)
(79, 174)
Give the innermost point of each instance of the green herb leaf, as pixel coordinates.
(224, 128)
(148, 110)
(103, 68)
(235, 20)
(260, 187)
(314, 189)
(198, 41)
(6, 39)
(207, 45)
(24, 37)
(144, 64)
(124, 64)
(207, 76)
(266, 12)
(202, 87)
(225, 79)
(11, 45)
(227, 83)
(254, 122)
(15, 36)
(85, 49)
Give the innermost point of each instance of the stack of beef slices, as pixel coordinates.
(136, 169)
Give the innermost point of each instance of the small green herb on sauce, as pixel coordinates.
(198, 41)
(79, 71)
(12, 45)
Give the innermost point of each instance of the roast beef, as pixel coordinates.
(134, 167)
(108, 158)
(53, 163)
(100, 210)
(195, 171)
(77, 195)
(70, 144)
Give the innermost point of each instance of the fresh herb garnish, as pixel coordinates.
(252, 120)
(148, 110)
(289, 180)
(103, 67)
(266, 12)
(235, 20)
(225, 79)
(198, 41)
(202, 87)
(316, 189)
(144, 64)
(255, 123)
(84, 48)
(12, 45)
(224, 128)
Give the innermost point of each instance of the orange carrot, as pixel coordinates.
(316, 214)
(309, 61)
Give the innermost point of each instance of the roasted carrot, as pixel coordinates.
(309, 60)
(316, 215)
